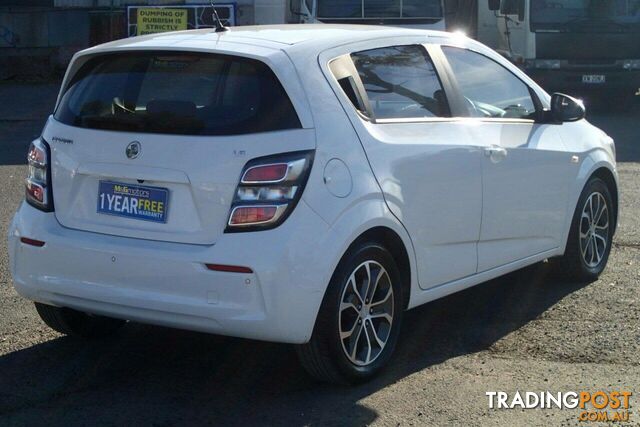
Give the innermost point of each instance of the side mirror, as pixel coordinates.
(521, 9)
(514, 7)
(494, 4)
(565, 108)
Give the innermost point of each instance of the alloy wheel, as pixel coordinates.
(366, 313)
(594, 230)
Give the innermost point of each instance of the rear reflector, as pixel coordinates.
(229, 268)
(32, 242)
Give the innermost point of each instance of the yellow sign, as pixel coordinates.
(160, 20)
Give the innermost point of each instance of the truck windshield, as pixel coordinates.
(586, 15)
(379, 9)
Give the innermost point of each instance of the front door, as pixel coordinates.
(524, 168)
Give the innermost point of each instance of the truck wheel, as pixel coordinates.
(73, 322)
(359, 321)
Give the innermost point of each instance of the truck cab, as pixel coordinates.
(579, 46)
(422, 14)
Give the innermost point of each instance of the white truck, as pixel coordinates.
(424, 14)
(576, 46)
(581, 46)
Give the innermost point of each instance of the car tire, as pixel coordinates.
(582, 261)
(75, 323)
(354, 339)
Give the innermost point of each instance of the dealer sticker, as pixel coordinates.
(133, 201)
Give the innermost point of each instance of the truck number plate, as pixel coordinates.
(594, 79)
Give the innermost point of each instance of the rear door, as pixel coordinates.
(177, 126)
(428, 170)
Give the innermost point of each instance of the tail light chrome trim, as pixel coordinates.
(279, 211)
(246, 180)
(293, 171)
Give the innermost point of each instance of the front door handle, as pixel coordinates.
(495, 153)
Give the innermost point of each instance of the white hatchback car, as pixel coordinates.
(301, 184)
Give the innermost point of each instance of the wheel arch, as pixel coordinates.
(380, 228)
(572, 264)
(609, 179)
(597, 164)
(388, 238)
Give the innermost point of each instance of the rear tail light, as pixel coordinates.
(269, 189)
(38, 182)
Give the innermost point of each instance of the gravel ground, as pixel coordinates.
(525, 331)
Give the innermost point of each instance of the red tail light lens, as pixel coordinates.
(38, 182)
(36, 155)
(269, 190)
(265, 174)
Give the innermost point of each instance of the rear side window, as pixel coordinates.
(401, 82)
(177, 93)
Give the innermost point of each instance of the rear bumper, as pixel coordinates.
(168, 283)
(570, 80)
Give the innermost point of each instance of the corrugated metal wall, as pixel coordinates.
(46, 28)
(26, 3)
(114, 3)
(122, 3)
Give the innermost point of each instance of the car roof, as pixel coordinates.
(317, 37)
(327, 34)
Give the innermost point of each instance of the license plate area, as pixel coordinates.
(133, 201)
(594, 79)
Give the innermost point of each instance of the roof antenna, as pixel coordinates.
(220, 28)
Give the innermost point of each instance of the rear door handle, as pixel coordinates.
(495, 153)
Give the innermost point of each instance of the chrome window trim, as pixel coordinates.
(453, 119)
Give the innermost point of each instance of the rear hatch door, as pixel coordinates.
(172, 130)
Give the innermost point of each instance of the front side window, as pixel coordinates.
(176, 93)
(489, 89)
(401, 82)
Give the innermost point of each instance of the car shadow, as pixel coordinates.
(159, 376)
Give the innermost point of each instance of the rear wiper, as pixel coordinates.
(122, 122)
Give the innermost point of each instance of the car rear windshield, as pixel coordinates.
(177, 93)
